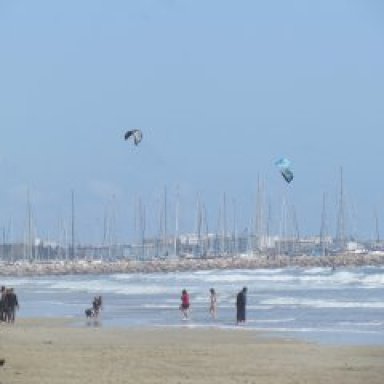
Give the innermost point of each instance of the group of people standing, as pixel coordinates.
(241, 303)
(8, 305)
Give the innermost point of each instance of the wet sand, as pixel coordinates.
(53, 351)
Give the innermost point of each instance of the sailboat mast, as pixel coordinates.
(234, 234)
(323, 228)
(199, 225)
(28, 248)
(165, 244)
(340, 235)
(224, 224)
(143, 226)
(176, 223)
(72, 253)
(377, 227)
(259, 219)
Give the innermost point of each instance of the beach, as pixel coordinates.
(342, 306)
(53, 351)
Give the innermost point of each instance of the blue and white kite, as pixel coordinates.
(284, 166)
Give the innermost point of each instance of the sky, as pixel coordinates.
(221, 89)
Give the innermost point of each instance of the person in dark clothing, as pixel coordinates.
(2, 304)
(11, 304)
(241, 302)
(97, 305)
(213, 303)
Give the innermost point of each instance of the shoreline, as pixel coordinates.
(53, 352)
(24, 268)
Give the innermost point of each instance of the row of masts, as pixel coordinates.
(226, 241)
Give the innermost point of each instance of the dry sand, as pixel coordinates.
(52, 352)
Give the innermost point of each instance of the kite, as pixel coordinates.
(136, 134)
(284, 166)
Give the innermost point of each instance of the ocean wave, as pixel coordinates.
(376, 280)
(319, 303)
(103, 287)
(266, 321)
(362, 324)
(159, 306)
(316, 270)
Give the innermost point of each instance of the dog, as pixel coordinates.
(89, 313)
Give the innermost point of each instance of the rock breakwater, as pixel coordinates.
(179, 265)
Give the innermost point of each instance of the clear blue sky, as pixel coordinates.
(220, 89)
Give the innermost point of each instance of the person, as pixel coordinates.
(241, 302)
(97, 306)
(2, 304)
(11, 304)
(185, 304)
(213, 303)
(100, 303)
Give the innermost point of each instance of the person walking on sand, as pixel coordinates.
(185, 304)
(213, 303)
(241, 303)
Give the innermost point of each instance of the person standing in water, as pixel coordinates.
(97, 306)
(184, 306)
(213, 303)
(241, 303)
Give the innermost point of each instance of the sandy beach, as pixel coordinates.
(53, 351)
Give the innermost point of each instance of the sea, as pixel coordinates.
(342, 307)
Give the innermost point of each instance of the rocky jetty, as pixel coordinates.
(193, 264)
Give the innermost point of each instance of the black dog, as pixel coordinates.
(89, 313)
